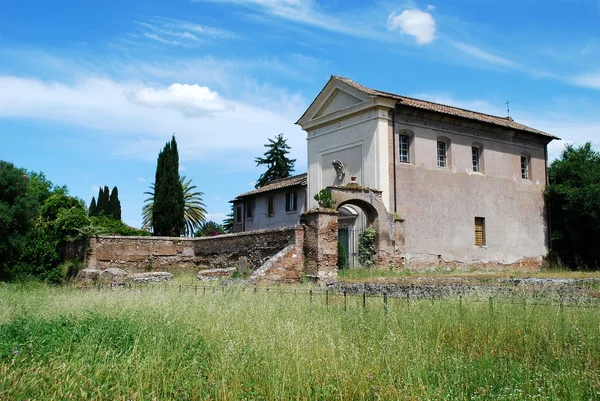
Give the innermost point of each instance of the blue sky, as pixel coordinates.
(91, 91)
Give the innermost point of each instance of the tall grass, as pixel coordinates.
(62, 343)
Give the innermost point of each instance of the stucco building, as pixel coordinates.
(467, 186)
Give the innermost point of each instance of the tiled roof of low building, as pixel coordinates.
(444, 109)
(296, 180)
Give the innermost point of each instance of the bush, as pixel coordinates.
(366, 247)
(325, 199)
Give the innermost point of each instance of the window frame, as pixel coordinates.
(238, 213)
(525, 167)
(249, 210)
(475, 159)
(479, 226)
(291, 202)
(442, 158)
(270, 206)
(404, 148)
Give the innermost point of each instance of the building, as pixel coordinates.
(277, 204)
(467, 186)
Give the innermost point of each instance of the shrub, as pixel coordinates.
(325, 199)
(366, 247)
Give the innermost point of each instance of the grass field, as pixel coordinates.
(61, 343)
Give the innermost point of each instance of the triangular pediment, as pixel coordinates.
(334, 97)
(338, 101)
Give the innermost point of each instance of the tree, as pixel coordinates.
(114, 205)
(572, 198)
(93, 208)
(194, 210)
(18, 209)
(209, 229)
(228, 221)
(276, 160)
(103, 204)
(168, 211)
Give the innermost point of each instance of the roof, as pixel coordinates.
(294, 181)
(444, 109)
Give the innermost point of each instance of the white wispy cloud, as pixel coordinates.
(141, 179)
(179, 32)
(590, 80)
(308, 12)
(95, 189)
(484, 55)
(416, 23)
(191, 100)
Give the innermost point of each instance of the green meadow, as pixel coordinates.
(153, 343)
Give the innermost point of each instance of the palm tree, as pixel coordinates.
(194, 208)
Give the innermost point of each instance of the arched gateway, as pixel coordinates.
(389, 239)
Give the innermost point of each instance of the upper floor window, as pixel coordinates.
(404, 149)
(525, 168)
(270, 206)
(475, 159)
(249, 209)
(238, 214)
(442, 157)
(290, 201)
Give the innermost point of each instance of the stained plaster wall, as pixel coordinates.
(281, 218)
(440, 204)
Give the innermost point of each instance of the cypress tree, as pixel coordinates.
(93, 208)
(102, 206)
(114, 205)
(168, 209)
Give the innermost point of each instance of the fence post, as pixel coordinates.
(385, 302)
(196, 289)
(179, 287)
(345, 301)
(310, 293)
(364, 299)
(255, 290)
(327, 297)
(491, 306)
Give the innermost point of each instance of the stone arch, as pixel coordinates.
(370, 201)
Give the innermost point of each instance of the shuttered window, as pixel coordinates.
(480, 231)
(270, 206)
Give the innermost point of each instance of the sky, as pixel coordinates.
(91, 91)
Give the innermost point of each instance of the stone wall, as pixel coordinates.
(320, 244)
(135, 254)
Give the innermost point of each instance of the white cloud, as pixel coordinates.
(216, 217)
(135, 130)
(182, 168)
(416, 23)
(141, 179)
(95, 189)
(591, 80)
(191, 100)
(484, 55)
(178, 32)
(430, 7)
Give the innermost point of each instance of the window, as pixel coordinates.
(475, 157)
(403, 144)
(238, 214)
(270, 208)
(479, 231)
(525, 167)
(249, 211)
(290, 201)
(441, 154)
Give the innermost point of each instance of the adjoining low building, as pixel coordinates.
(467, 187)
(278, 204)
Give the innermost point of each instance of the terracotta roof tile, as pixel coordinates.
(444, 109)
(296, 180)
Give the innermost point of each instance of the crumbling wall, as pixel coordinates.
(136, 254)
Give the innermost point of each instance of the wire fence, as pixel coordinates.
(342, 298)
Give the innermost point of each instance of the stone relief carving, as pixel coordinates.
(340, 171)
